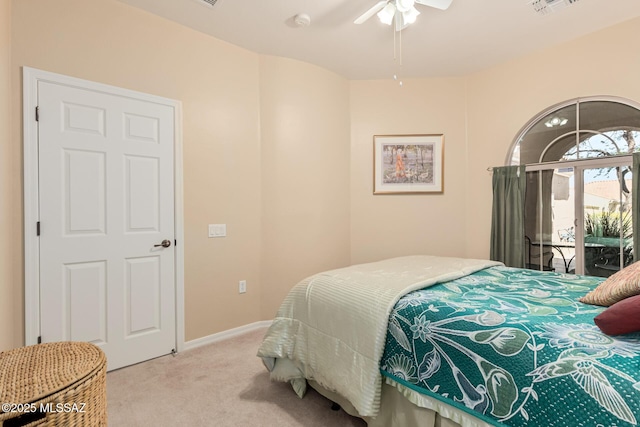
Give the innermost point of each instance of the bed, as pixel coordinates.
(435, 341)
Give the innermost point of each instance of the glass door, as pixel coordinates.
(578, 216)
(550, 220)
(607, 234)
(563, 207)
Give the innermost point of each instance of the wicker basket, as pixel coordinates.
(53, 384)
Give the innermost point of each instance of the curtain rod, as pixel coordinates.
(615, 161)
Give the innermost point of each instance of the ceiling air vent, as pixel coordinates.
(544, 7)
(213, 2)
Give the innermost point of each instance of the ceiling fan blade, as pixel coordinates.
(369, 13)
(438, 4)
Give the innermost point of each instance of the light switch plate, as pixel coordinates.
(217, 230)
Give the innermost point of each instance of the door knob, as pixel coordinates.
(165, 244)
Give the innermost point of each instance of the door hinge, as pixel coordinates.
(40, 340)
(38, 228)
(37, 114)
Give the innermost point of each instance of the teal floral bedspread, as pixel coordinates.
(515, 348)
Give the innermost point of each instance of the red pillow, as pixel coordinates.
(621, 318)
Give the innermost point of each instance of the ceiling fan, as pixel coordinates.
(403, 11)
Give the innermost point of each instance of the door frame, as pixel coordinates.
(30, 79)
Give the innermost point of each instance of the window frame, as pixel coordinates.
(554, 108)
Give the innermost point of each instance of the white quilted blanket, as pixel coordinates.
(332, 326)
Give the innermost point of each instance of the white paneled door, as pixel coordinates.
(106, 211)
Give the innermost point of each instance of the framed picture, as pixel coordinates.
(408, 164)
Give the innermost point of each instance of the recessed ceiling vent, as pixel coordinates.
(213, 2)
(545, 7)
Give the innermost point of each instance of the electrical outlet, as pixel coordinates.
(242, 286)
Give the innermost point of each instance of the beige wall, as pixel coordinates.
(503, 99)
(10, 335)
(305, 174)
(297, 172)
(109, 42)
(394, 225)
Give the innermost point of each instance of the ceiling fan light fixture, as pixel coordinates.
(387, 13)
(404, 12)
(409, 17)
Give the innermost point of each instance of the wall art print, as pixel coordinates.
(408, 164)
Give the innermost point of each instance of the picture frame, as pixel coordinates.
(408, 164)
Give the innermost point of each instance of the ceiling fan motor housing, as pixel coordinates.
(404, 5)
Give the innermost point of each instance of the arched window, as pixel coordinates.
(578, 201)
(579, 129)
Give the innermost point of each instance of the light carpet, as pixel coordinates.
(220, 384)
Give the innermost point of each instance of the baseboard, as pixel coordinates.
(225, 335)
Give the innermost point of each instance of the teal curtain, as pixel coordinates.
(635, 209)
(507, 219)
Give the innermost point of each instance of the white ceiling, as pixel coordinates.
(470, 36)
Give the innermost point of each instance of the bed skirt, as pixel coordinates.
(396, 410)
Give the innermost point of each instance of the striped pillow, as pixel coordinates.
(625, 283)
